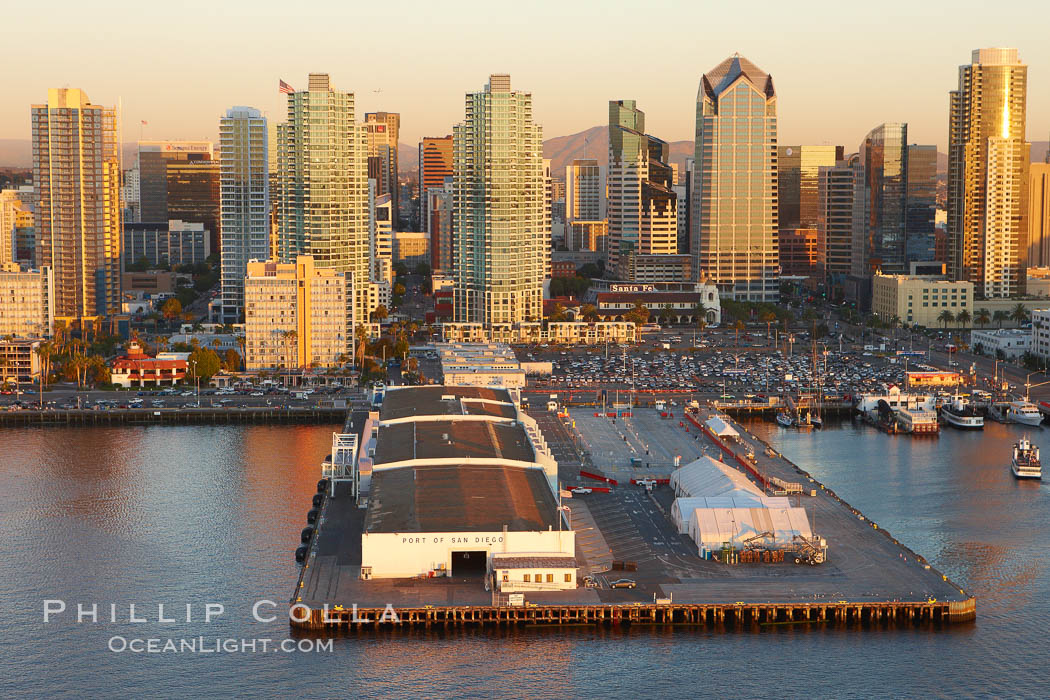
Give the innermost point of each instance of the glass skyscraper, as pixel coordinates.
(322, 199)
(881, 232)
(734, 191)
(245, 197)
(501, 243)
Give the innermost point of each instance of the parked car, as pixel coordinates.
(623, 583)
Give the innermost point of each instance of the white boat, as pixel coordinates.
(918, 421)
(785, 420)
(960, 413)
(896, 399)
(1024, 412)
(1025, 463)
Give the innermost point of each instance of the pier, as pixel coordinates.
(172, 416)
(870, 580)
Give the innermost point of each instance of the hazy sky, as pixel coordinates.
(840, 68)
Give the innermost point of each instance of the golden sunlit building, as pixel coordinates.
(988, 174)
(295, 315)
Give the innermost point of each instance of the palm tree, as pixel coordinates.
(946, 317)
(963, 318)
(768, 318)
(45, 351)
(1019, 314)
(999, 316)
(738, 326)
(982, 318)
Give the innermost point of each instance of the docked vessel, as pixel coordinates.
(1025, 463)
(785, 420)
(1024, 412)
(918, 421)
(960, 413)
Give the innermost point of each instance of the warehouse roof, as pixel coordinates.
(452, 438)
(429, 401)
(546, 561)
(460, 498)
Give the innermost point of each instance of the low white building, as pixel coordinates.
(1040, 334)
(1011, 342)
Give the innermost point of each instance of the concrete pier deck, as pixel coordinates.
(869, 576)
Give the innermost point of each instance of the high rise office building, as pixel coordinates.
(921, 205)
(881, 234)
(642, 204)
(194, 196)
(1039, 215)
(988, 174)
(435, 166)
(797, 188)
(382, 130)
(628, 168)
(322, 199)
(244, 161)
(835, 205)
(152, 166)
(585, 191)
(500, 242)
(734, 208)
(439, 227)
(76, 171)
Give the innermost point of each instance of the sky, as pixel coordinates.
(839, 68)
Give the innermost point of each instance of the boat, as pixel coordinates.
(817, 421)
(1024, 412)
(918, 421)
(960, 413)
(1025, 463)
(785, 420)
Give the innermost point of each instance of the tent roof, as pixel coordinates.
(720, 428)
(709, 477)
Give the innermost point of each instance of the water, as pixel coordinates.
(194, 515)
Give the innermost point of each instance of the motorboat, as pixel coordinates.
(1024, 412)
(785, 420)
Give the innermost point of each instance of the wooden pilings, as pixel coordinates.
(729, 616)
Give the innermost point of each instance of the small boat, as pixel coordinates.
(817, 421)
(962, 414)
(1024, 413)
(1025, 463)
(785, 420)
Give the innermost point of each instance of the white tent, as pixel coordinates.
(709, 477)
(720, 428)
(710, 528)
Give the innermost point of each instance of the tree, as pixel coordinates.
(639, 314)
(1019, 314)
(768, 318)
(982, 318)
(665, 315)
(204, 363)
(380, 313)
(589, 312)
(999, 316)
(946, 317)
(422, 269)
(557, 313)
(963, 318)
(738, 326)
(399, 289)
(171, 309)
(232, 361)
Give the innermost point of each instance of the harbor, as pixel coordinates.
(621, 467)
(173, 416)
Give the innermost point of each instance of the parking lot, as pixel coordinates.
(653, 441)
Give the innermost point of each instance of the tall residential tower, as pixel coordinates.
(76, 169)
(243, 158)
(322, 199)
(988, 174)
(500, 245)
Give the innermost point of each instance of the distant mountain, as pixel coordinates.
(594, 143)
(16, 153)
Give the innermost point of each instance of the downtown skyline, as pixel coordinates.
(875, 79)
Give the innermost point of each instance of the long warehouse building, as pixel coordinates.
(457, 481)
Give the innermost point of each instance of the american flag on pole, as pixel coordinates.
(145, 123)
(284, 88)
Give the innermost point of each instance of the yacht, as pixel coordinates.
(1025, 463)
(784, 419)
(960, 413)
(1024, 412)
